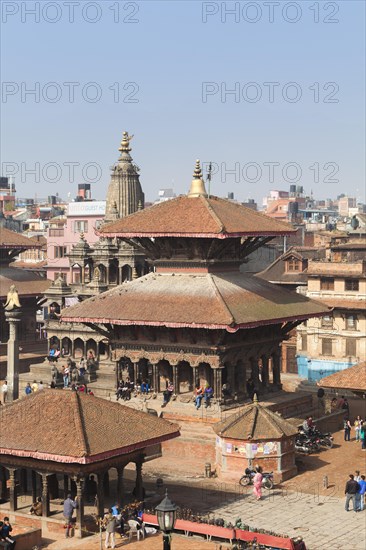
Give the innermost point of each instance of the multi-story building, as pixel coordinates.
(64, 233)
(338, 340)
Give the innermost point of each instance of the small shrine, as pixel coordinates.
(255, 436)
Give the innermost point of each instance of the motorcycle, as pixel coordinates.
(247, 478)
(305, 444)
(321, 439)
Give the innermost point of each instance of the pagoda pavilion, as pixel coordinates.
(196, 318)
(57, 435)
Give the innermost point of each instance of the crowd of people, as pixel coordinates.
(126, 388)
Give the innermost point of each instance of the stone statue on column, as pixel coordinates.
(12, 309)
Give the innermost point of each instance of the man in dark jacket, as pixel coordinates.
(350, 491)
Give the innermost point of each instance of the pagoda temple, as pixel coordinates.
(195, 318)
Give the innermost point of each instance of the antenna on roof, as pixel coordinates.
(209, 178)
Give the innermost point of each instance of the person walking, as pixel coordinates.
(257, 483)
(347, 429)
(69, 507)
(363, 436)
(198, 393)
(110, 522)
(358, 425)
(350, 492)
(28, 389)
(361, 493)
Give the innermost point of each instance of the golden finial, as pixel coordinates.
(197, 186)
(139, 206)
(255, 398)
(125, 143)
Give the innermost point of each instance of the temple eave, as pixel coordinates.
(210, 326)
(222, 235)
(87, 459)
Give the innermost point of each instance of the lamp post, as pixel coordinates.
(166, 512)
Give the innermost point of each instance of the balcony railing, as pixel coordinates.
(56, 233)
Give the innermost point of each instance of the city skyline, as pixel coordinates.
(265, 121)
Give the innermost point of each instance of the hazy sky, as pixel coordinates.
(164, 72)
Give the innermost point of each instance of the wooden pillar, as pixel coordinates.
(195, 376)
(97, 351)
(175, 379)
(66, 485)
(276, 361)
(138, 487)
(214, 381)
(100, 494)
(3, 491)
(218, 390)
(12, 490)
(120, 486)
(80, 508)
(45, 496)
(72, 351)
(265, 371)
(84, 348)
(34, 486)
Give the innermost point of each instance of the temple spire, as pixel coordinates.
(198, 185)
(125, 143)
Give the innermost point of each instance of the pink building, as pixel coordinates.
(64, 232)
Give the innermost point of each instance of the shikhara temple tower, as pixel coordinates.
(125, 194)
(196, 317)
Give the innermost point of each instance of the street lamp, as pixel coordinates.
(166, 512)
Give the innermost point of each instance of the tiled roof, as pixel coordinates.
(196, 216)
(276, 271)
(339, 303)
(202, 300)
(67, 426)
(26, 283)
(255, 423)
(11, 239)
(353, 378)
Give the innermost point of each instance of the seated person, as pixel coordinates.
(36, 507)
(208, 394)
(145, 388)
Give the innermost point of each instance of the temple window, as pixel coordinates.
(80, 226)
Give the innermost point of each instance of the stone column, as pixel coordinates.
(135, 372)
(12, 373)
(100, 494)
(12, 490)
(218, 390)
(138, 487)
(45, 496)
(120, 486)
(155, 380)
(72, 350)
(195, 376)
(175, 379)
(97, 356)
(80, 509)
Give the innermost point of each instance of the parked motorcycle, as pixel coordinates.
(247, 478)
(321, 439)
(305, 444)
